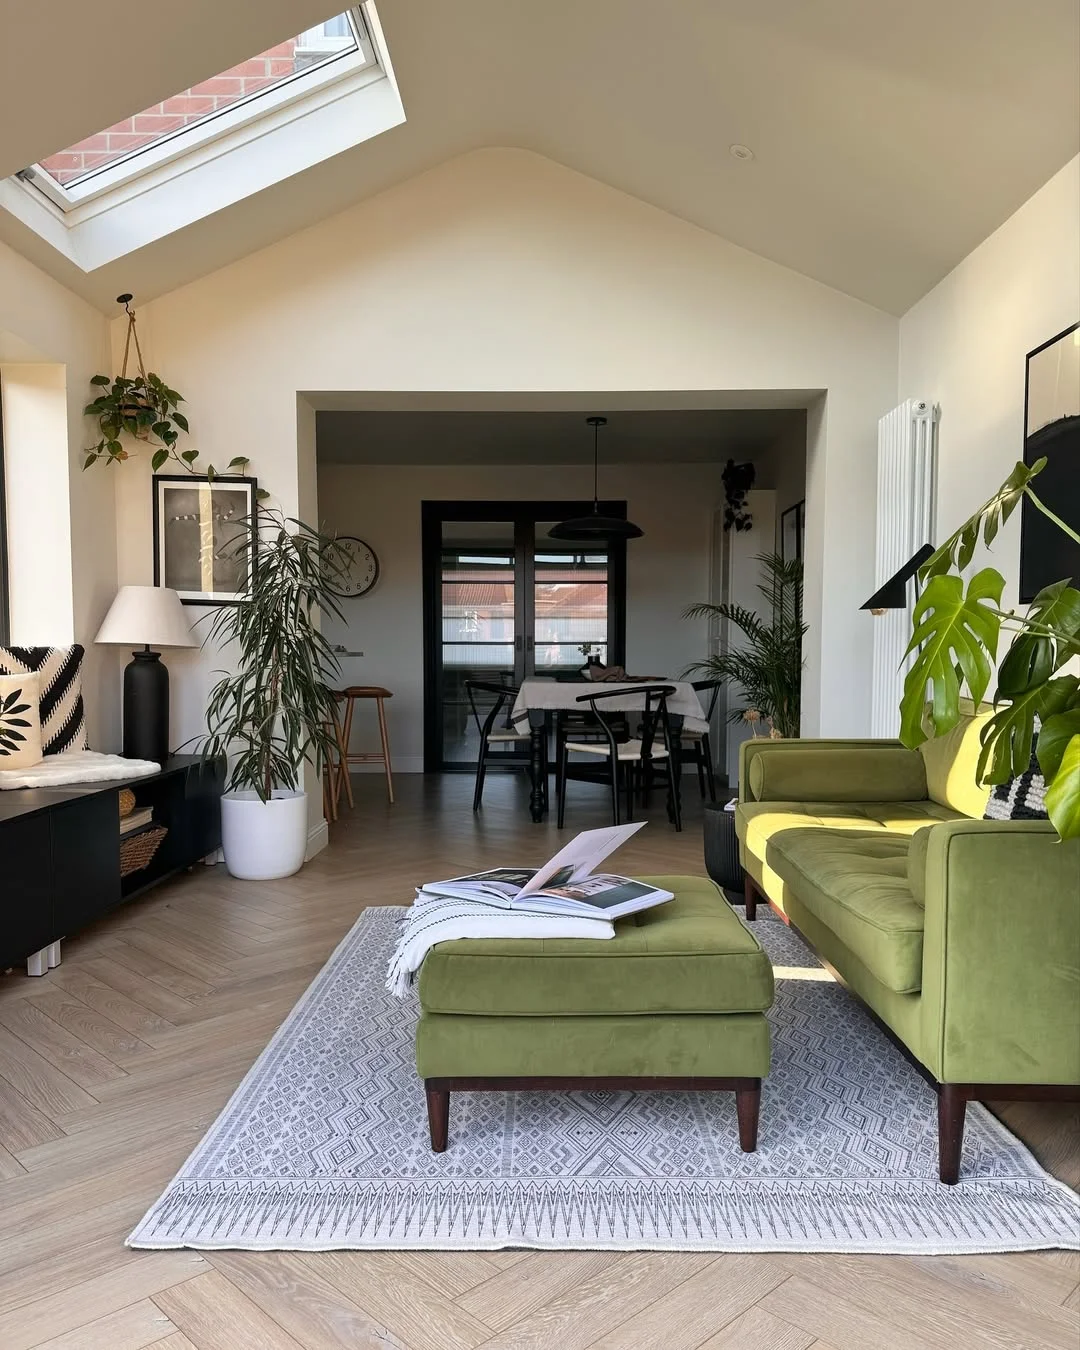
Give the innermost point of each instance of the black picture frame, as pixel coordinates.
(1051, 429)
(184, 506)
(792, 527)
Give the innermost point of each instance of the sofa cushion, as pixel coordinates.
(692, 955)
(916, 865)
(757, 822)
(951, 761)
(886, 773)
(856, 884)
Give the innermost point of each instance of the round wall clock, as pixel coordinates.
(361, 568)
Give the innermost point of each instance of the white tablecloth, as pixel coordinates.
(551, 694)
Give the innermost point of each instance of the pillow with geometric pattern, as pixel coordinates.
(20, 726)
(59, 672)
(1022, 797)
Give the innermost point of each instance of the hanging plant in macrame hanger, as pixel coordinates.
(738, 479)
(142, 406)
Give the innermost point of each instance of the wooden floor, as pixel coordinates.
(113, 1065)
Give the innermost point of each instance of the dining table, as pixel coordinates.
(539, 697)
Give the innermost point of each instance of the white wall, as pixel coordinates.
(62, 522)
(501, 271)
(963, 347)
(666, 570)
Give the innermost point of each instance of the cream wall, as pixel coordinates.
(501, 271)
(963, 347)
(666, 570)
(62, 522)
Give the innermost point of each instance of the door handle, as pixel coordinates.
(530, 643)
(519, 643)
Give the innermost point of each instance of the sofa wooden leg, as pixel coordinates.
(951, 1108)
(438, 1114)
(749, 897)
(747, 1107)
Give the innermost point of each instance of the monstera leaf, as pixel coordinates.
(1007, 737)
(955, 639)
(958, 550)
(1063, 794)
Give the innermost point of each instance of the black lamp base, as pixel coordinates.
(146, 708)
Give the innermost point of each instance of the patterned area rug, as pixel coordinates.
(324, 1145)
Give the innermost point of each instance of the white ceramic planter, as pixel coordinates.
(263, 840)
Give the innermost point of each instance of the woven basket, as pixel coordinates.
(137, 850)
(127, 802)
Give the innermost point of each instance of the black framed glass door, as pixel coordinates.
(503, 601)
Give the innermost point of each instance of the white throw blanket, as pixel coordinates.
(436, 919)
(76, 766)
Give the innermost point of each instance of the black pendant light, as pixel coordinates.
(596, 526)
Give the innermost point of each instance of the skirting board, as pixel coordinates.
(404, 764)
(317, 839)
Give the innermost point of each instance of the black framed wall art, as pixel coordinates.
(200, 530)
(1052, 432)
(792, 523)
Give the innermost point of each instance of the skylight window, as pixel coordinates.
(207, 110)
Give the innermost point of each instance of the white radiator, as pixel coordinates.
(906, 485)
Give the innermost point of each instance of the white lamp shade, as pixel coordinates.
(147, 616)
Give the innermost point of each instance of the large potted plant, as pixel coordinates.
(275, 711)
(768, 662)
(956, 632)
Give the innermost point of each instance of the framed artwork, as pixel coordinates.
(1052, 432)
(791, 531)
(199, 531)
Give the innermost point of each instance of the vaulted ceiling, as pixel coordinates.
(889, 139)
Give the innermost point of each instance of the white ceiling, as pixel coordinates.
(682, 436)
(890, 139)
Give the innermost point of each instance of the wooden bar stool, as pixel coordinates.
(350, 695)
(335, 771)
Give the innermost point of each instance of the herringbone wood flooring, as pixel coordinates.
(113, 1065)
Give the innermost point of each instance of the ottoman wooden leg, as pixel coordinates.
(747, 1106)
(438, 1114)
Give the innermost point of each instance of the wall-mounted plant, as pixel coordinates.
(738, 479)
(143, 407)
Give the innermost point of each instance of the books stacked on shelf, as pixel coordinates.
(137, 819)
(567, 884)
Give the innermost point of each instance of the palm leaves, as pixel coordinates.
(767, 663)
(955, 638)
(13, 725)
(277, 709)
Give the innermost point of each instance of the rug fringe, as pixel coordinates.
(775, 1215)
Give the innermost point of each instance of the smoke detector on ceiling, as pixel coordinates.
(741, 151)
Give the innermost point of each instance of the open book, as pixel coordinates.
(567, 884)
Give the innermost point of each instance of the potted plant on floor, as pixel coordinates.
(768, 663)
(276, 710)
(955, 642)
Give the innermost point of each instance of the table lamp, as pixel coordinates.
(154, 617)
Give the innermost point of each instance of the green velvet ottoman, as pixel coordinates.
(675, 1001)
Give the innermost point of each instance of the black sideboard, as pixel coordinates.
(60, 852)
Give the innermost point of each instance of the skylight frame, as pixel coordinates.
(177, 145)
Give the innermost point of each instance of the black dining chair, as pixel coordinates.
(496, 731)
(655, 747)
(695, 746)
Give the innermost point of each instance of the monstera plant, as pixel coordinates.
(955, 638)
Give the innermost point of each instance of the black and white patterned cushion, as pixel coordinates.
(1022, 797)
(59, 671)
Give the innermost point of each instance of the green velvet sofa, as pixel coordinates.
(962, 935)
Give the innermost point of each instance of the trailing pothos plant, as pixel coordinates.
(144, 407)
(956, 632)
